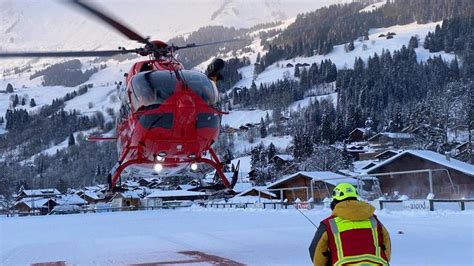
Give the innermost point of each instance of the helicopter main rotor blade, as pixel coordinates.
(67, 54)
(193, 45)
(132, 35)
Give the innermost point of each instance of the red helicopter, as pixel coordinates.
(169, 116)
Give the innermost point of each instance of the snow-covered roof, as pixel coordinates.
(248, 199)
(393, 135)
(131, 183)
(33, 202)
(325, 176)
(174, 193)
(262, 190)
(360, 165)
(71, 199)
(241, 186)
(130, 194)
(94, 188)
(433, 157)
(186, 187)
(150, 179)
(386, 152)
(285, 157)
(359, 129)
(41, 192)
(92, 195)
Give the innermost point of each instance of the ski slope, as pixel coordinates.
(250, 236)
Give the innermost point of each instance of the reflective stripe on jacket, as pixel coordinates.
(353, 242)
(347, 216)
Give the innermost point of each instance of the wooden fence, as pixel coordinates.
(421, 204)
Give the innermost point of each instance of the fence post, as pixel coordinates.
(430, 179)
(381, 204)
(431, 205)
(462, 206)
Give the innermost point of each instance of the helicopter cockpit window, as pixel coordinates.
(152, 88)
(201, 85)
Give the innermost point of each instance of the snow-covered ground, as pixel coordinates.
(238, 118)
(250, 236)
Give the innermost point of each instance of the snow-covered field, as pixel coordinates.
(251, 236)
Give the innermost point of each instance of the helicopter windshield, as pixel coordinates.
(152, 88)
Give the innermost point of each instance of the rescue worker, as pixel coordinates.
(352, 235)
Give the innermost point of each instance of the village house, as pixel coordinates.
(461, 152)
(305, 185)
(34, 205)
(389, 140)
(45, 205)
(149, 182)
(125, 199)
(357, 135)
(258, 191)
(38, 193)
(89, 196)
(161, 197)
(450, 178)
(283, 161)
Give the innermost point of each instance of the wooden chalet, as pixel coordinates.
(451, 178)
(357, 135)
(125, 199)
(90, 197)
(34, 205)
(38, 193)
(283, 161)
(389, 140)
(149, 182)
(305, 185)
(258, 191)
(461, 152)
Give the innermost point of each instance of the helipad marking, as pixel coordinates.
(197, 258)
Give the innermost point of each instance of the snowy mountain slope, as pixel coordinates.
(98, 98)
(60, 26)
(251, 51)
(342, 59)
(373, 7)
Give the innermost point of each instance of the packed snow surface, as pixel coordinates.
(250, 236)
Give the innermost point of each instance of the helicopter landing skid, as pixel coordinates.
(116, 171)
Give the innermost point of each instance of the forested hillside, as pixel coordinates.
(308, 105)
(317, 32)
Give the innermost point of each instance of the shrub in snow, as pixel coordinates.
(327, 202)
(403, 197)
